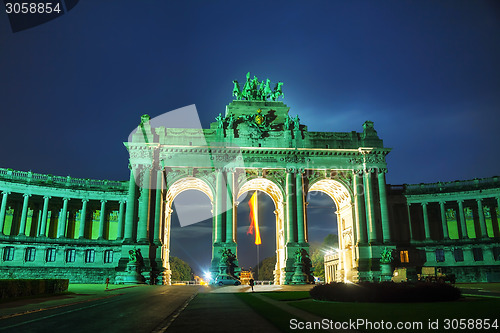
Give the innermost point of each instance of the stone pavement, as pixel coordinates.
(219, 312)
(78, 293)
(217, 309)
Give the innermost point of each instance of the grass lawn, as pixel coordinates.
(466, 308)
(486, 286)
(287, 295)
(405, 312)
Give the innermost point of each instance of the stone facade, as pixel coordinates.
(60, 227)
(84, 229)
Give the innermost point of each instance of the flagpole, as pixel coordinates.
(258, 262)
(257, 215)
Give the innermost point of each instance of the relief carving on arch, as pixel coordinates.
(276, 176)
(347, 237)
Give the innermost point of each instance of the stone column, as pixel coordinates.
(119, 234)
(218, 205)
(159, 183)
(130, 209)
(70, 230)
(61, 228)
(102, 219)
(444, 224)
(408, 205)
(24, 215)
(498, 205)
(3, 209)
(83, 212)
(462, 219)
(384, 212)
(370, 209)
(482, 221)
(229, 206)
(142, 227)
(427, 229)
(290, 217)
(35, 222)
(359, 203)
(43, 228)
(299, 189)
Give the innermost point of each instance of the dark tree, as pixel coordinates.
(266, 268)
(181, 271)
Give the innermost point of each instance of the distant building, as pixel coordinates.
(245, 276)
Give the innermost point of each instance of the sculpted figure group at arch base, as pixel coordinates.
(255, 146)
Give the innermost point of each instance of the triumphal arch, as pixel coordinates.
(256, 145)
(88, 230)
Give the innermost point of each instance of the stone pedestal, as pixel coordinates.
(132, 275)
(385, 272)
(299, 277)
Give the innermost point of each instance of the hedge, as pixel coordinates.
(19, 288)
(385, 292)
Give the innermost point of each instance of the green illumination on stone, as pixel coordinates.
(85, 229)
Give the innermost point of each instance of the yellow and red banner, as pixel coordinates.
(254, 219)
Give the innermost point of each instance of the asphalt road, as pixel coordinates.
(138, 309)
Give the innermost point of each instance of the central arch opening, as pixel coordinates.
(250, 255)
(274, 207)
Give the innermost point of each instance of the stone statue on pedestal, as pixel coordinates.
(132, 274)
(385, 264)
(227, 262)
(303, 266)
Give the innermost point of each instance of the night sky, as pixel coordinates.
(426, 72)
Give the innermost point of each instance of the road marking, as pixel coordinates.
(170, 319)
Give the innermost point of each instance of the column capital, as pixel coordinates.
(6, 192)
(479, 200)
(368, 171)
(27, 195)
(47, 197)
(460, 201)
(103, 200)
(301, 170)
(85, 200)
(381, 171)
(66, 198)
(291, 170)
(442, 202)
(425, 203)
(229, 169)
(122, 201)
(357, 172)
